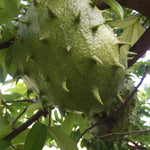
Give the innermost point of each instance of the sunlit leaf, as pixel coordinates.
(33, 107)
(116, 7)
(126, 22)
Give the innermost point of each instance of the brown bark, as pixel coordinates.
(140, 47)
(142, 6)
(6, 44)
(25, 125)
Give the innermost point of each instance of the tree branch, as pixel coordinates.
(135, 145)
(120, 108)
(130, 96)
(91, 127)
(143, 44)
(19, 116)
(138, 5)
(140, 47)
(122, 133)
(22, 101)
(6, 44)
(26, 124)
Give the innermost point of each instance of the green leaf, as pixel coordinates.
(20, 88)
(83, 125)
(116, 7)
(5, 131)
(67, 125)
(62, 139)
(9, 10)
(11, 97)
(32, 108)
(2, 66)
(36, 137)
(1, 73)
(125, 23)
(0, 98)
(4, 16)
(20, 138)
(4, 144)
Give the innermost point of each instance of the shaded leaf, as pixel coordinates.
(2, 78)
(36, 137)
(83, 125)
(4, 144)
(68, 123)
(20, 138)
(62, 139)
(9, 10)
(11, 97)
(5, 131)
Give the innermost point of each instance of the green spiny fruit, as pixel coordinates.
(122, 121)
(68, 56)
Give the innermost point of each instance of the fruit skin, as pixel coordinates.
(68, 56)
(123, 120)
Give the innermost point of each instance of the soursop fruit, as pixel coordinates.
(68, 55)
(123, 120)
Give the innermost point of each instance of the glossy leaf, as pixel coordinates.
(36, 137)
(62, 139)
(116, 7)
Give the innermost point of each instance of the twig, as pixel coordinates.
(25, 125)
(6, 44)
(137, 135)
(19, 116)
(24, 100)
(91, 127)
(120, 108)
(117, 133)
(145, 22)
(49, 119)
(131, 95)
(143, 7)
(140, 47)
(135, 145)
